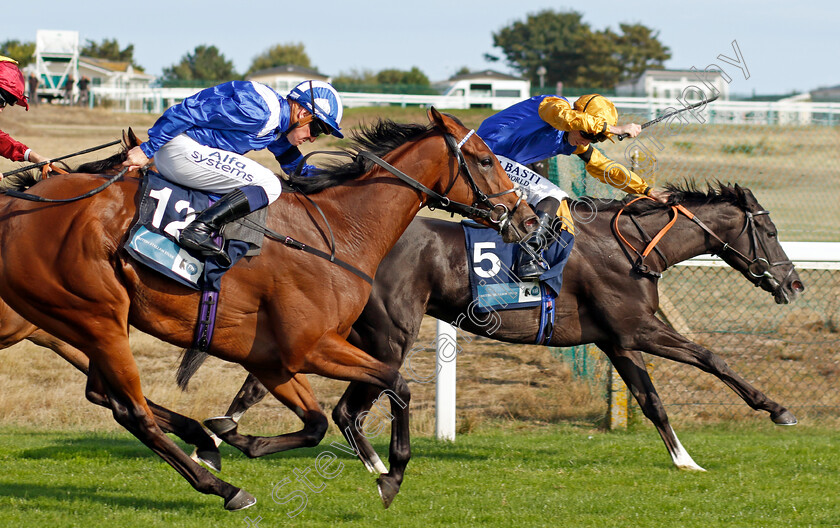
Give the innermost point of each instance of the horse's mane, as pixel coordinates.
(687, 193)
(380, 138)
(101, 166)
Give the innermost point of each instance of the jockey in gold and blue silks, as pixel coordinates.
(546, 126)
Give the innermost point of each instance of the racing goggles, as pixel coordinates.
(318, 127)
(6, 99)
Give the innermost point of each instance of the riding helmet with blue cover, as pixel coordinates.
(328, 106)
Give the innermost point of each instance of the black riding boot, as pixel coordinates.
(531, 264)
(200, 233)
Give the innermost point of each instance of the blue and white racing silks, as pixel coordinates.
(520, 134)
(237, 116)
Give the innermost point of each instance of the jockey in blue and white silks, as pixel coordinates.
(200, 143)
(546, 126)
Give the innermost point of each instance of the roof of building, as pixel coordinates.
(288, 68)
(485, 74)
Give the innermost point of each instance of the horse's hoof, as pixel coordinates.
(210, 458)
(784, 418)
(220, 425)
(388, 488)
(240, 501)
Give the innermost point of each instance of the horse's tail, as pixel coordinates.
(191, 359)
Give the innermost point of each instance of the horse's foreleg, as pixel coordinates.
(114, 373)
(631, 367)
(655, 337)
(294, 393)
(72, 355)
(335, 358)
(348, 416)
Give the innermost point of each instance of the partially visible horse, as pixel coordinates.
(281, 314)
(602, 301)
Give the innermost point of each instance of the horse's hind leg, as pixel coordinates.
(347, 415)
(631, 367)
(655, 337)
(335, 358)
(296, 394)
(226, 427)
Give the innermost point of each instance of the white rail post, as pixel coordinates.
(446, 353)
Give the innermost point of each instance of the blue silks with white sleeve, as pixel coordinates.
(237, 116)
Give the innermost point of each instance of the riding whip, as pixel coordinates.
(666, 116)
(37, 165)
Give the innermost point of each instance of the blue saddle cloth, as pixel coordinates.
(494, 284)
(152, 241)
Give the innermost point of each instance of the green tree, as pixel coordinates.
(205, 63)
(547, 38)
(413, 77)
(110, 50)
(576, 55)
(23, 52)
(354, 78)
(280, 55)
(639, 49)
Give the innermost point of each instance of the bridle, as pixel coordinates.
(758, 268)
(494, 213)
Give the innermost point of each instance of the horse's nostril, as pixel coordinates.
(797, 286)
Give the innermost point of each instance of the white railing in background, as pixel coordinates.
(156, 100)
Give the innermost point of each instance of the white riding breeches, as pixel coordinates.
(186, 162)
(534, 187)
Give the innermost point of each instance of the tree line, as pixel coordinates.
(546, 47)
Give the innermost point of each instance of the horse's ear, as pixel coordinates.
(745, 197)
(125, 139)
(133, 140)
(445, 123)
(436, 118)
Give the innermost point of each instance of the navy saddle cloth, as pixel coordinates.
(163, 211)
(493, 282)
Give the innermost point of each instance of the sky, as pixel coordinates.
(786, 47)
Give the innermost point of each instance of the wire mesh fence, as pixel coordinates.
(790, 352)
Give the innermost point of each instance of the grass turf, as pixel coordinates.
(508, 475)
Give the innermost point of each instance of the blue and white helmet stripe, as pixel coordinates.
(328, 106)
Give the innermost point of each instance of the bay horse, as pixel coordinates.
(602, 301)
(281, 314)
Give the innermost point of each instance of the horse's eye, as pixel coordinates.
(771, 234)
(486, 162)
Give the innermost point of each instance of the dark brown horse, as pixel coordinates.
(603, 301)
(280, 314)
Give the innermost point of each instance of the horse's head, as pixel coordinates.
(757, 254)
(477, 178)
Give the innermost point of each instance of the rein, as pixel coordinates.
(758, 267)
(36, 198)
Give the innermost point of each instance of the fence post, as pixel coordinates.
(617, 416)
(446, 353)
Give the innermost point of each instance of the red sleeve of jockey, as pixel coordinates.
(11, 149)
